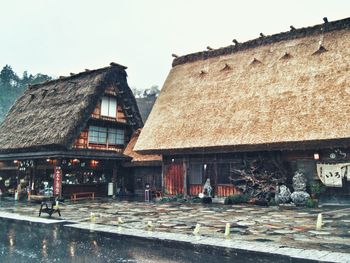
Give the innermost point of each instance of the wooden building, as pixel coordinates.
(144, 169)
(277, 103)
(78, 125)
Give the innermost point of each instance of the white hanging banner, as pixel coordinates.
(345, 170)
(332, 174)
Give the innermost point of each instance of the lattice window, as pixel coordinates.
(97, 134)
(116, 136)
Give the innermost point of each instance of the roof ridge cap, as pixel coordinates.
(76, 75)
(264, 40)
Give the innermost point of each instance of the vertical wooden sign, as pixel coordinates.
(57, 181)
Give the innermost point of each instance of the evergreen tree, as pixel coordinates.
(8, 77)
(11, 86)
(151, 92)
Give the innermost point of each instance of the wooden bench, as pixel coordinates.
(49, 208)
(82, 195)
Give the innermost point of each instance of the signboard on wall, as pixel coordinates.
(57, 181)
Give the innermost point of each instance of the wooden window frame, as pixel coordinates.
(109, 99)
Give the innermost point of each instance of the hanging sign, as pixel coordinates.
(57, 181)
(332, 174)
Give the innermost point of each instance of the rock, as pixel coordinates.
(300, 198)
(299, 182)
(206, 200)
(282, 195)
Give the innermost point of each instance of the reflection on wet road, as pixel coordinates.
(32, 242)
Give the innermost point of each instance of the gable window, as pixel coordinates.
(115, 136)
(97, 134)
(109, 107)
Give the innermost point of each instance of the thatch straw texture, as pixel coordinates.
(284, 93)
(51, 115)
(139, 158)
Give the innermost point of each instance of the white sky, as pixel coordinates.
(57, 37)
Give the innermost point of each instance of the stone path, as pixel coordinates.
(292, 227)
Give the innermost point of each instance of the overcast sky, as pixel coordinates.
(57, 37)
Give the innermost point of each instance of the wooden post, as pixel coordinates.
(114, 178)
(215, 183)
(18, 174)
(185, 165)
(162, 175)
(32, 181)
(18, 182)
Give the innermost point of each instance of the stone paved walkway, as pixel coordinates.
(293, 227)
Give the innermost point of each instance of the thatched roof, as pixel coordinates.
(139, 159)
(51, 115)
(283, 91)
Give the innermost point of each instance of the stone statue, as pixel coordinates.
(282, 194)
(207, 189)
(299, 196)
(299, 181)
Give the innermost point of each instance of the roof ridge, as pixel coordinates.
(265, 40)
(79, 74)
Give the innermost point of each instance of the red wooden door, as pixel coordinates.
(174, 179)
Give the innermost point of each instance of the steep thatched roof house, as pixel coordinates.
(51, 115)
(286, 93)
(80, 123)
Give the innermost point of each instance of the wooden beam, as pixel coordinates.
(74, 153)
(114, 178)
(162, 175)
(33, 175)
(215, 183)
(185, 165)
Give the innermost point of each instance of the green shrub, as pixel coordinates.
(311, 203)
(317, 188)
(174, 198)
(179, 196)
(196, 199)
(236, 199)
(272, 202)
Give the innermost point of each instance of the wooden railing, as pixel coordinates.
(106, 118)
(195, 189)
(220, 191)
(105, 147)
(225, 190)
